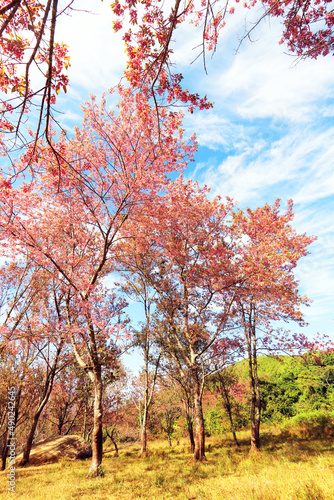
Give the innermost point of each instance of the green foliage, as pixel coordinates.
(215, 419)
(278, 400)
(314, 423)
(294, 388)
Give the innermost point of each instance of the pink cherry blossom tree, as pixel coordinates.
(71, 214)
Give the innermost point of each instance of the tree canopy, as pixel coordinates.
(29, 46)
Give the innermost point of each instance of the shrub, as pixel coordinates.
(311, 424)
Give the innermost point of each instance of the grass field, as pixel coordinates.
(294, 469)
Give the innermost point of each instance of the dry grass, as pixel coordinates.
(284, 469)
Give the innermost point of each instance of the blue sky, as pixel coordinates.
(270, 134)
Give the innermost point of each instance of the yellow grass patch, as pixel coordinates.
(295, 470)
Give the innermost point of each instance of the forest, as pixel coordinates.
(104, 217)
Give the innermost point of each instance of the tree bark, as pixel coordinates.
(112, 439)
(27, 449)
(255, 444)
(228, 406)
(199, 451)
(84, 423)
(114, 442)
(143, 433)
(190, 427)
(254, 384)
(7, 440)
(257, 409)
(232, 426)
(97, 440)
(148, 395)
(229, 412)
(4, 451)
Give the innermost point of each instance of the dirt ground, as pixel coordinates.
(71, 447)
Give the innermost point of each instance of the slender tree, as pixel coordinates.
(189, 251)
(271, 250)
(137, 287)
(222, 382)
(52, 365)
(170, 373)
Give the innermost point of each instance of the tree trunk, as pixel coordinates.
(257, 412)
(45, 397)
(255, 442)
(62, 418)
(112, 439)
(255, 419)
(143, 433)
(115, 445)
(190, 430)
(84, 423)
(97, 440)
(4, 451)
(229, 411)
(228, 407)
(27, 449)
(199, 452)
(189, 417)
(148, 392)
(254, 387)
(7, 439)
(73, 420)
(233, 429)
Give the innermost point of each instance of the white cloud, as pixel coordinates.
(297, 163)
(261, 81)
(303, 161)
(216, 132)
(96, 51)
